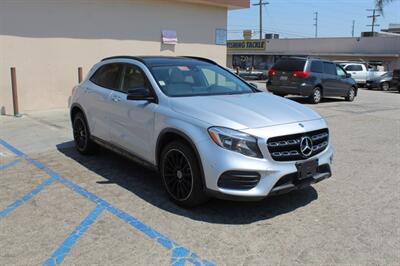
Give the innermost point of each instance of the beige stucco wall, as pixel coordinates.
(47, 40)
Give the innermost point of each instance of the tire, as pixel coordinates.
(83, 143)
(351, 94)
(385, 86)
(315, 96)
(181, 175)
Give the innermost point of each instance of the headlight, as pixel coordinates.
(235, 141)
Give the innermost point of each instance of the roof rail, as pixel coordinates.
(124, 57)
(201, 59)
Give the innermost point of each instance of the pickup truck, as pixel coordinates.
(360, 73)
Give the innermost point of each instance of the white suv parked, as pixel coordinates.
(207, 131)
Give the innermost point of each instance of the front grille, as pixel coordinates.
(287, 148)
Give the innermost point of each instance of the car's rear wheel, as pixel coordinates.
(316, 96)
(385, 86)
(181, 175)
(351, 94)
(81, 133)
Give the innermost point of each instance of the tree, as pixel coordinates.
(381, 3)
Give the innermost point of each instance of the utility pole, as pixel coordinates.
(316, 24)
(352, 28)
(261, 4)
(373, 17)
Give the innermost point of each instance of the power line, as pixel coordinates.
(316, 24)
(261, 4)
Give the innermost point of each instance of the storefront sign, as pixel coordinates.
(247, 44)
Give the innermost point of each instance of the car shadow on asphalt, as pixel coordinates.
(304, 100)
(147, 185)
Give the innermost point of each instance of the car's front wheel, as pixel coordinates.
(81, 132)
(351, 94)
(316, 96)
(385, 86)
(181, 174)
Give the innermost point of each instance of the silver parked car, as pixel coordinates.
(207, 132)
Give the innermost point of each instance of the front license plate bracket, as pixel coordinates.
(307, 169)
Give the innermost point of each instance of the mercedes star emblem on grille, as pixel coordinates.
(306, 146)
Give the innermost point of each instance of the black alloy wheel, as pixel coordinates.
(178, 175)
(181, 174)
(83, 143)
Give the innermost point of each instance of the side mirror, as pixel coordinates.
(348, 75)
(253, 85)
(140, 94)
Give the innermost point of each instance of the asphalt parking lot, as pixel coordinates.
(57, 206)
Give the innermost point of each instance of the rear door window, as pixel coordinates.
(108, 76)
(353, 68)
(329, 68)
(317, 67)
(290, 65)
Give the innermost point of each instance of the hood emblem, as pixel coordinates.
(306, 146)
(300, 124)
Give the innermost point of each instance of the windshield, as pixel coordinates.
(197, 80)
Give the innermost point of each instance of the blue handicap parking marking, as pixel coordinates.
(179, 255)
(11, 148)
(58, 256)
(27, 197)
(8, 165)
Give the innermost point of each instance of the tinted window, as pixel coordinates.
(107, 76)
(289, 65)
(133, 79)
(198, 79)
(354, 68)
(316, 66)
(329, 68)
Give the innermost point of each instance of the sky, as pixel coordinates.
(295, 18)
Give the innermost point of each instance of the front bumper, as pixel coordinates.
(216, 161)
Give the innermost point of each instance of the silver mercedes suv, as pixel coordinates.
(207, 131)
